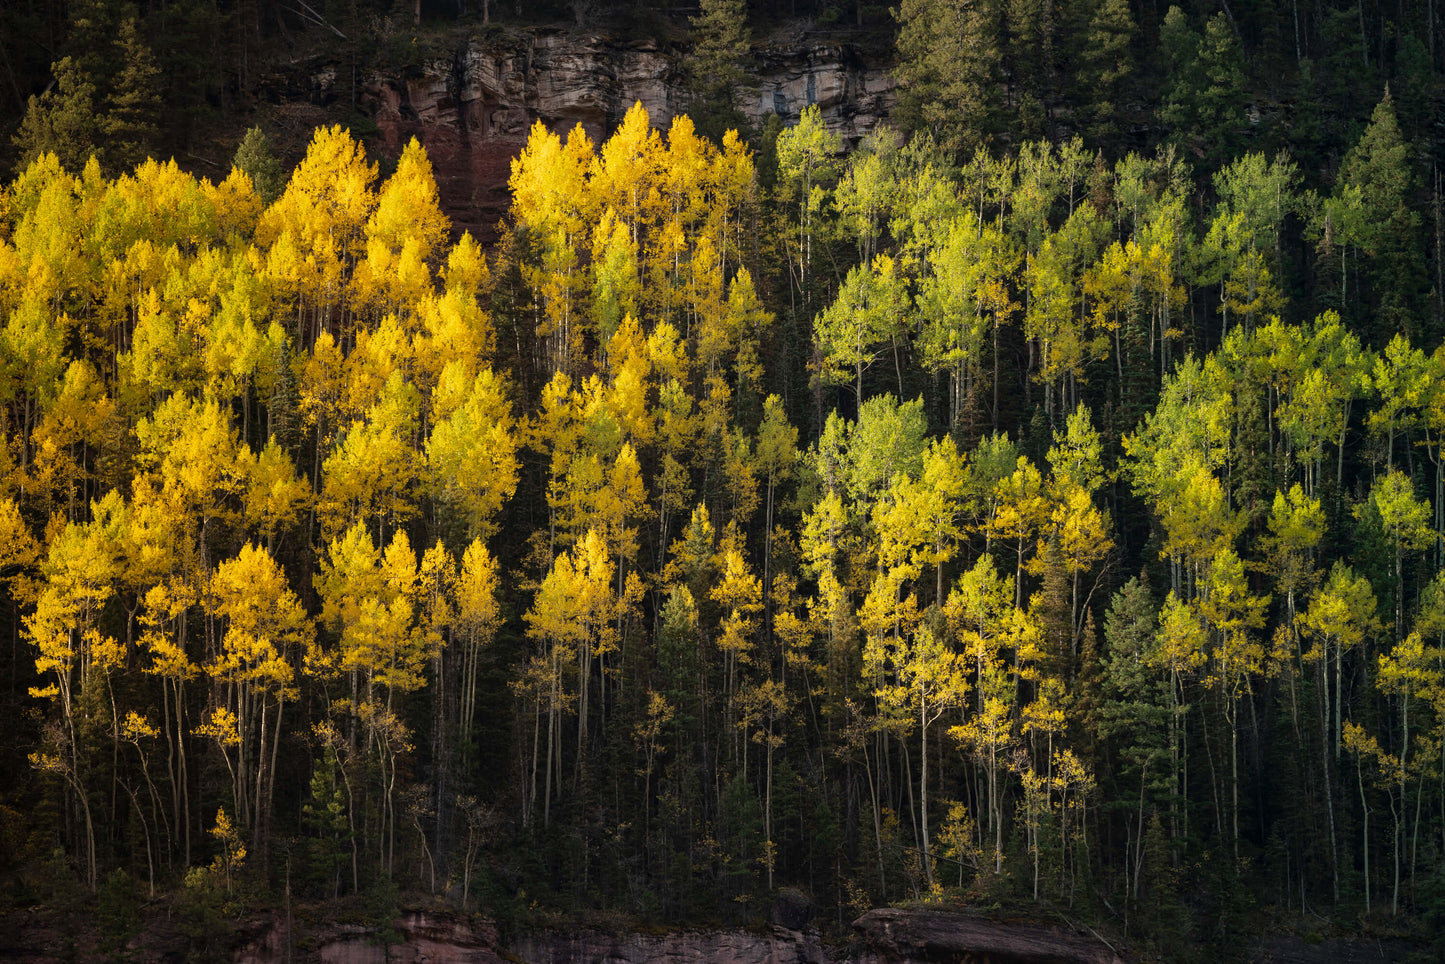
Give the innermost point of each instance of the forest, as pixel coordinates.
(1040, 503)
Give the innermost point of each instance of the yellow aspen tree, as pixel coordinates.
(1409, 673)
(478, 616)
(322, 214)
(370, 474)
(163, 618)
(78, 571)
(1362, 746)
(626, 176)
(1406, 521)
(1023, 506)
(989, 737)
(734, 184)
(630, 368)
(276, 494)
(740, 596)
(927, 680)
(199, 461)
(553, 203)
(572, 618)
(267, 631)
(403, 236)
(1236, 615)
(472, 451)
(616, 284)
(806, 164)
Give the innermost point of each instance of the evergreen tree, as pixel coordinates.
(948, 71)
(61, 121)
(1106, 64)
(256, 159)
(719, 64)
(133, 107)
(1378, 171)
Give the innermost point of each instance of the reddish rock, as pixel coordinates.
(473, 110)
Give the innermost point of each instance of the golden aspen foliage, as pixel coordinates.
(349, 573)
(403, 236)
(472, 451)
(627, 173)
(616, 286)
(370, 473)
(266, 627)
(314, 233)
(276, 493)
(552, 204)
(196, 456)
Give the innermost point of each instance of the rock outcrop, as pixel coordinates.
(781, 946)
(434, 936)
(423, 937)
(472, 111)
(916, 936)
(499, 85)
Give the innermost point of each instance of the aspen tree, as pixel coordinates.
(266, 630)
(472, 450)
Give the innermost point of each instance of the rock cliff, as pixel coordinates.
(915, 936)
(472, 110)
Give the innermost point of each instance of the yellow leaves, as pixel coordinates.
(275, 494)
(472, 452)
(233, 850)
(574, 605)
(616, 287)
(648, 731)
(328, 197)
(385, 646)
(1022, 506)
(626, 174)
(1182, 640)
(264, 620)
(1363, 746)
(549, 182)
(408, 210)
(220, 726)
(348, 574)
(370, 473)
(1195, 511)
(1229, 605)
(198, 455)
(372, 600)
(18, 548)
(740, 593)
(1341, 614)
(478, 609)
(163, 607)
(237, 205)
(1406, 519)
(136, 727)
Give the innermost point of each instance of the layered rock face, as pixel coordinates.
(895, 936)
(720, 947)
(498, 87)
(473, 111)
(883, 936)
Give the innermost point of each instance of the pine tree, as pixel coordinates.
(948, 70)
(1106, 63)
(1378, 168)
(61, 121)
(256, 159)
(719, 64)
(133, 107)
